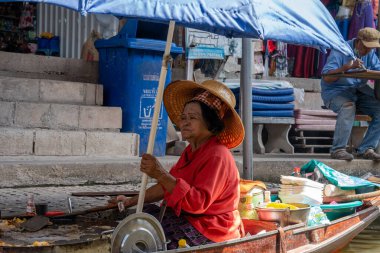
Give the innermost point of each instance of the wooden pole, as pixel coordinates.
(157, 108)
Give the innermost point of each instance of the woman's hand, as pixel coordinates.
(128, 202)
(151, 166)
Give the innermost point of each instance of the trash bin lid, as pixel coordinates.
(121, 40)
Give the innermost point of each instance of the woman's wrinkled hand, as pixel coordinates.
(128, 202)
(151, 166)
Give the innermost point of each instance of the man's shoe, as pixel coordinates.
(341, 154)
(370, 154)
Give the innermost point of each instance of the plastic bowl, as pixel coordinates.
(336, 211)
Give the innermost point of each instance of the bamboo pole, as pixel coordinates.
(157, 108)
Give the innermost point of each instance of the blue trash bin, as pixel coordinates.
(129, 71)
(54, 46)
(43, 46)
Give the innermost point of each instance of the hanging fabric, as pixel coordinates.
(361, 17)
(26, 18)
(375, 7)
(281, 60)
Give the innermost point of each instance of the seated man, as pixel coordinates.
(345, 95)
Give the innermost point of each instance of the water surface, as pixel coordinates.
(367, 241)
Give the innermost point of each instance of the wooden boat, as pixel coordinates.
(294, 238)
(266, 237)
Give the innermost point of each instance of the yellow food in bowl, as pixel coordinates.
(280, 206)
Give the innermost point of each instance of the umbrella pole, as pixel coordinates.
(246, 105)
(157, 108)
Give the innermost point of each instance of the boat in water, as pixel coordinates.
(295, 238)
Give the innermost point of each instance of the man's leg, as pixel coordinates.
(370, 106)
(345, 108)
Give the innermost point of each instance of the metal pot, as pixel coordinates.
(285, 216)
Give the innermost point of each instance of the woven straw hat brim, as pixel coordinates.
(178, 93)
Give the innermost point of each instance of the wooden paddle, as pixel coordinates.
(69, 215)
(350, 198)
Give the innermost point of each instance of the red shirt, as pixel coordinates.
(207, 189)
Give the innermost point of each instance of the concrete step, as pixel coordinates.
(24, 171)
(59, 116)
(50, 91)
(45, 67)
(40, 142)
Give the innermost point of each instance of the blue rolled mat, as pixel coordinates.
(270, 99)
(256, 106)
(272, 92)
(282, 113)
(266, 92)
(273, 99)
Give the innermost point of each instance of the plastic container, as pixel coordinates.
(365, 189)
(54, 46)
(336, 211)
(274, 197)
(30, 206)
(48, 47)
(129, 71)
(43, 46)
(249, 201)
(296, 172)
(182, 244)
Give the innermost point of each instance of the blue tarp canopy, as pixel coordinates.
(292, 21)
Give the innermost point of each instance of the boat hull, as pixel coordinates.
(297, 238)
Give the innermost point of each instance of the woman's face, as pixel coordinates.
(192, 125)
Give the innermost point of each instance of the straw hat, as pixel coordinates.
(178, 93)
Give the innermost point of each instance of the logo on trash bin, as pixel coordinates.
(147, 107)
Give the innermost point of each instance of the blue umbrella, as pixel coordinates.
(290, 21)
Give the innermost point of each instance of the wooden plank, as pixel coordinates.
(104, 193)
(361, 74)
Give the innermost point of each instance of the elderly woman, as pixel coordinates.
(202, 189)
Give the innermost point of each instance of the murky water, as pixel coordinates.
(367, 241)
